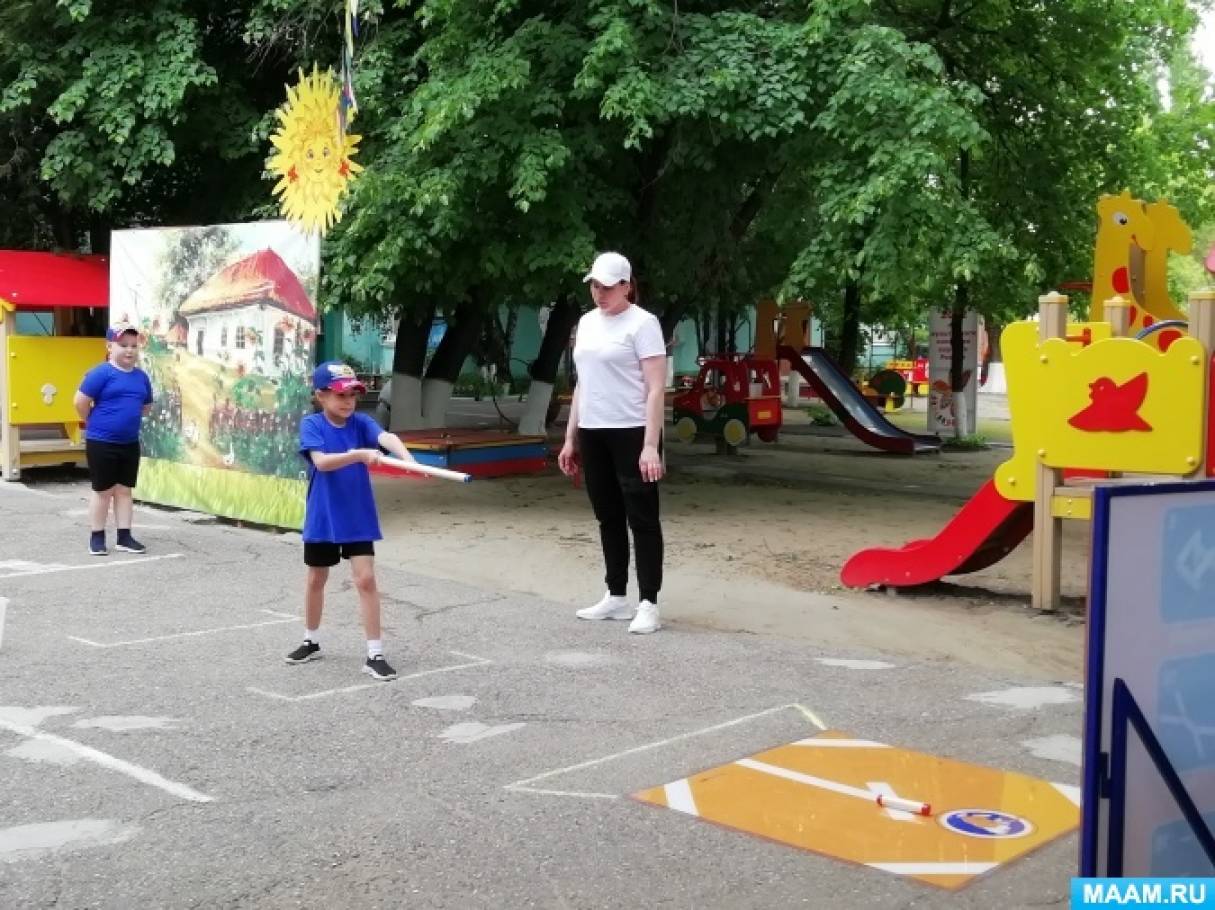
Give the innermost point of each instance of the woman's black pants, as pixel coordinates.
(622, 500)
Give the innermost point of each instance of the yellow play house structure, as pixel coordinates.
(53, 313)
(1123, 397)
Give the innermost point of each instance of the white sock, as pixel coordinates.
(375, 647)
(313, 635)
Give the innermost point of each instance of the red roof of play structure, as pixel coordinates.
(43, 281)
(260, 277)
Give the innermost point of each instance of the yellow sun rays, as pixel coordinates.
(313, 157)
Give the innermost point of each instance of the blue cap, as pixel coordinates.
(114, 332)
(336, 377)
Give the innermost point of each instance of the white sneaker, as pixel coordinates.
(608, 608)
(646, 620)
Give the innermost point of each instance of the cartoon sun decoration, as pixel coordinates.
(313, 155)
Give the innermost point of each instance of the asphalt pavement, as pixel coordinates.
(156, 750)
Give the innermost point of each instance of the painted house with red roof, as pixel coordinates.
(253, 314)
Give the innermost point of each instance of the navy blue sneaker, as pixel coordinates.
(129, 544)
(97, 544)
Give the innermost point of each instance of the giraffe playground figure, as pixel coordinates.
(1140, 275)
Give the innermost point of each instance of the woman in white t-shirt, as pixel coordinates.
(614, 433)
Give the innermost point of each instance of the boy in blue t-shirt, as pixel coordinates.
(340, 519)
(113, 399)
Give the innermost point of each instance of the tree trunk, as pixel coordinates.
(463, 328)
(723, 331)
(404, 410)
(403, 398)
(99, 235)
(497, 342)
(63, 226)
(850, 327)
(672, 315)
(959, 376)
(537, 412)
(704, 330)
(994, 330)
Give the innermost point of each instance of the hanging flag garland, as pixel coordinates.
(313, 157)
(347, 105)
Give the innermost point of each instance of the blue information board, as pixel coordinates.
(1149, 746)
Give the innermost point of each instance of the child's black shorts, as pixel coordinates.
(324, 555)
(112, 463)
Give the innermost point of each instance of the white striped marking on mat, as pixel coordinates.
(679, 797)
(934, 868)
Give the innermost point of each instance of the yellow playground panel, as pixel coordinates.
(1091, 405)
(1121, 405)
(1103, 403)
(39, 374)
(820, 794)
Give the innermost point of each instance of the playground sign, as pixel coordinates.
(229, 318)
(1150, 717)
(941, 411)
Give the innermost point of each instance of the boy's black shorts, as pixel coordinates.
(112, 463)
(324, 555)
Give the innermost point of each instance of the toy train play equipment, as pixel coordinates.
(1122, 397)
(39, 374)
(733, 396)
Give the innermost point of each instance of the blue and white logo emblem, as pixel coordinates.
(985, 823)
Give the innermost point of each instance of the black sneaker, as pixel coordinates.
(97, 544)
(129, 544)
(307, 651)
(377, 668)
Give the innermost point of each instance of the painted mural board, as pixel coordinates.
(229, 319)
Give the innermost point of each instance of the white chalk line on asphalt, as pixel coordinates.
(523, 786)
(473, 661)
(105, 760)
(116, 564)
(282, 618)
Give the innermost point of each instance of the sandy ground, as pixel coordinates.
(754, 545)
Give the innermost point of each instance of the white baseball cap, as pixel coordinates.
(610, 269)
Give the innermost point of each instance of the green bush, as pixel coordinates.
(275, 453)
(821, 416)
(294, 394)
(467, 385)
(160, 435)
(247, 392)
(474, 385)
(972, 443)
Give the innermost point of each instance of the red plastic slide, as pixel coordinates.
(983, 532)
